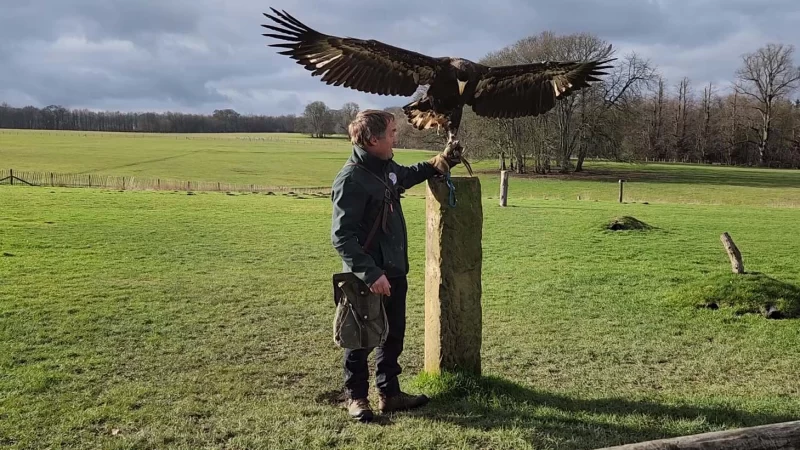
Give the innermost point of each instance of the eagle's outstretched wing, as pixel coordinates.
(365, 65)
(532, 89)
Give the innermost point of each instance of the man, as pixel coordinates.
(367, 189)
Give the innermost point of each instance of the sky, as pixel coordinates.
(196, 56)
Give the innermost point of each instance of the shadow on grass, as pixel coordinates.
(488, 403)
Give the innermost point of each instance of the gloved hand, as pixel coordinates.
(448, 158)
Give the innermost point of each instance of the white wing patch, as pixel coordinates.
(322, 63)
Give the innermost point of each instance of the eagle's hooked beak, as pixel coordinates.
(461, 85)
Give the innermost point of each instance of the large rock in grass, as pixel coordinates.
(453, 262)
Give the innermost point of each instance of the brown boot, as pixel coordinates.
(359, 409)
(400, 402)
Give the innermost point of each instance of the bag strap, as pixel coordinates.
(371, 173)
(381, 215)
(372, 231)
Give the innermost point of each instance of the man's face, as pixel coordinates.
(382, 148)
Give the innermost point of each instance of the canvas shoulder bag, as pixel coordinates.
(360, 320)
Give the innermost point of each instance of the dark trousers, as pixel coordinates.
(356, 370)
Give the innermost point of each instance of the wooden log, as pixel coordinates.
(778, 436)
(453, 259)
(503, 188)
(737, 266)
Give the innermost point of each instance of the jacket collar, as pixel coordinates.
(372, 162)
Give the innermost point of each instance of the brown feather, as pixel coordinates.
(532, 89)
(377, 67)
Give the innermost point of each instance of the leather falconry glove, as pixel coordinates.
(448, 158)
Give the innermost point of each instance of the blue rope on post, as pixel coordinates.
(452, 197)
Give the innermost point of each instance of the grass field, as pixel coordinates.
(133, 319)
(295, 160)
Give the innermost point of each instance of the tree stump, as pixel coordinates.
(737, 266)
(453, 261)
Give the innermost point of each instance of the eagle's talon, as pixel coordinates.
(467, 165)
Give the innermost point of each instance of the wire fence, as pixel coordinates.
(55, 179)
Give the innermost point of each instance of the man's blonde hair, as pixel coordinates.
(368, 124)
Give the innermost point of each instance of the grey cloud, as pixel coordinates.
(100, 19)
(207, 54)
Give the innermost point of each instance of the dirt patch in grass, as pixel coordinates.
(627, 223)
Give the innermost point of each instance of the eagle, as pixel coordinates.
(371, 66)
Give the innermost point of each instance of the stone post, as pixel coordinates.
(737, 266)
(453, 323)
(503, 187)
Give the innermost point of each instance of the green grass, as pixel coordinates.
(296, 160)
(266, 159)
(748, 293)
(164, 320)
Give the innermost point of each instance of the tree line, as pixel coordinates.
(633, 114)
(318, 120)
(56, 117)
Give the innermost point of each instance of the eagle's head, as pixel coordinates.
(462, 70)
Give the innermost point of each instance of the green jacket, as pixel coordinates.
(358, 197)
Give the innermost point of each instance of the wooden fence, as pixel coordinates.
(55, 179)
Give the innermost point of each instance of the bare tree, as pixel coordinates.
(795, 139)
(317, 117)
(611, 103)
(656, 134)
(346, 115)
(767, 74)
(733, 129)
(705, 140)
(681, 118)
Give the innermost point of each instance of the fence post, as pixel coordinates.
(12, 176)
(620, 190)
(51, 179)
(503, 187)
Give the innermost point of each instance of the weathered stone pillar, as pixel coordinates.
(453, 288)
(503, 187)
